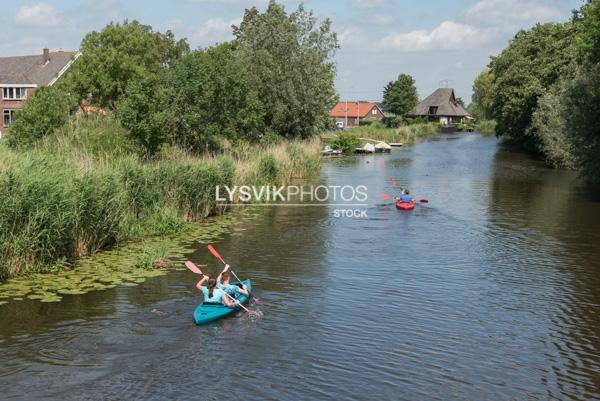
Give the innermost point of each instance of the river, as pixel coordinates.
(491, 291)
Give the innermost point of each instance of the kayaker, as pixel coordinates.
(223, 282)
(214, 295)
(405, 196)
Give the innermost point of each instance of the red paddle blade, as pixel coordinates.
(215, 253)
(193, 267)
(394, 182)
(424, 201)
(386, 197)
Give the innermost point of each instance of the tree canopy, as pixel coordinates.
(119, 54)
(483, 89)
(532, 63)
(289, 61)
(400, 96)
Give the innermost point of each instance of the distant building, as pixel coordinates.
(349, 114)
(20, 76)
(441, 106)
(385, 109)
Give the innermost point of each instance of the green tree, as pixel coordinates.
(400, 96)
(289, 62)
(583, 121)
(212, 94)
(532, 63)
(550, 128)
(145, 113)
(483, 90)
(589, 38)
(47, 109)
(119, 54)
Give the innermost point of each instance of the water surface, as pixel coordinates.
(491, 291)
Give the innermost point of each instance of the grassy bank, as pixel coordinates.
(407, 135)
(487, 127)
(83, 189)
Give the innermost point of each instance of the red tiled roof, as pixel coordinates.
(363, 109)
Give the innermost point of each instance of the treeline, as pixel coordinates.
(543, 91)
(273, 80)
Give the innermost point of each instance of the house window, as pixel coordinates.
(433, 110)
(374, 112)
(8, 117)
(14, 93)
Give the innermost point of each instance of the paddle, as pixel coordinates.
(195, 269)
(387, 197)
(216, 255)
(395, 183)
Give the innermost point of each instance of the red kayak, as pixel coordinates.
(405, 205)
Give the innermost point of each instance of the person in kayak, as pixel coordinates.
(223, 282)
(214, 295)
(405, 197)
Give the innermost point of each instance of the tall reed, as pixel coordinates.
(82, 190)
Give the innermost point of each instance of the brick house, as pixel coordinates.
(20, 76)
(349, 114)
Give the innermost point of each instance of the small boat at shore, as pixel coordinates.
(383, 147)
(397, 145)
(328, 151)
(207, 313)
(368, 148)
(405, 205)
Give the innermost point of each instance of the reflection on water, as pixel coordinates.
(490, 291)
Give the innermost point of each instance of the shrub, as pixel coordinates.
(345, 142)
(47, 109)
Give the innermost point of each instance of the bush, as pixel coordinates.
(347, 143)
(581, 100)
(550, 129)
(47, 109)
(393, 121)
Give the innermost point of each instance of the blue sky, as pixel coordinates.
(440, 43)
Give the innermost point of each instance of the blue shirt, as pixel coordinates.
(217, 295)
(230, 289)
(406, 198)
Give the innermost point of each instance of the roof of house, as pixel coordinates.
(352, 109)
(31, 70)
(446, 104)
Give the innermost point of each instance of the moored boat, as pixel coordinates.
(206, 313)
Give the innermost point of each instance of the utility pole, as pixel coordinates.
(346, 123)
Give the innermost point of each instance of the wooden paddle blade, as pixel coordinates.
(215, 253)
(386, 197)
(193, 267)
(424, 201)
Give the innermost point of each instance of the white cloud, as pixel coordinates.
(210, 32)
(40, 15)
(510, 12)
(448, 35)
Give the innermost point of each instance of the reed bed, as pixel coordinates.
(83, 189)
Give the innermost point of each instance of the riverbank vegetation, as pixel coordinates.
(133, 140)
(543, 91)
(80, 190)
(407, 135)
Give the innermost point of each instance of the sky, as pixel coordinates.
(441, 43)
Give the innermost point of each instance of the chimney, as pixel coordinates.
(46, 55)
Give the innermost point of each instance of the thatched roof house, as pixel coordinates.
(440, 106)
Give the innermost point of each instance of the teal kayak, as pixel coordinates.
(206, 313)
